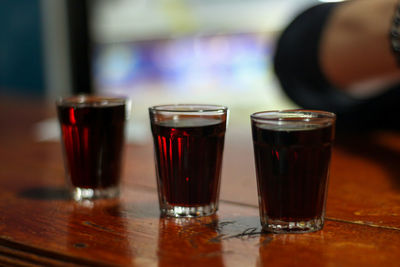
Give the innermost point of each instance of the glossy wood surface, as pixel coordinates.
(39, 225)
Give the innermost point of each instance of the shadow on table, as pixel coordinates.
(380, 147)
(45, 193)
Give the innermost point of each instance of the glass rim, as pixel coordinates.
(293, 115)
(91, 99)
(188, 108)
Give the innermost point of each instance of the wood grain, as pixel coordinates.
(39, 225)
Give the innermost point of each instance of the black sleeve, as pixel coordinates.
(298, 70)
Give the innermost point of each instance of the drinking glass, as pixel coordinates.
(188, 148)
(292, 151)
(92, 130)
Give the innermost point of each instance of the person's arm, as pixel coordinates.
(355, 45)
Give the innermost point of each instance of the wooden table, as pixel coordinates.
(39, 225)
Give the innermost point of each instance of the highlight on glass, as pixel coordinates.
(188, 150)
(92, 131)
(292, 152)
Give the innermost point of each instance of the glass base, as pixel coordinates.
(183, 211)
(79, 194)
(280, 227)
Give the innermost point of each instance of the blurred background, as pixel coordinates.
(154, 51)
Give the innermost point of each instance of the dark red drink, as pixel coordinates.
(93, 138)
(188, 154)
(292, 165)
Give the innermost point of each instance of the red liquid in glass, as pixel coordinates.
(92, 140)
(292, 171)
(188, 155)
